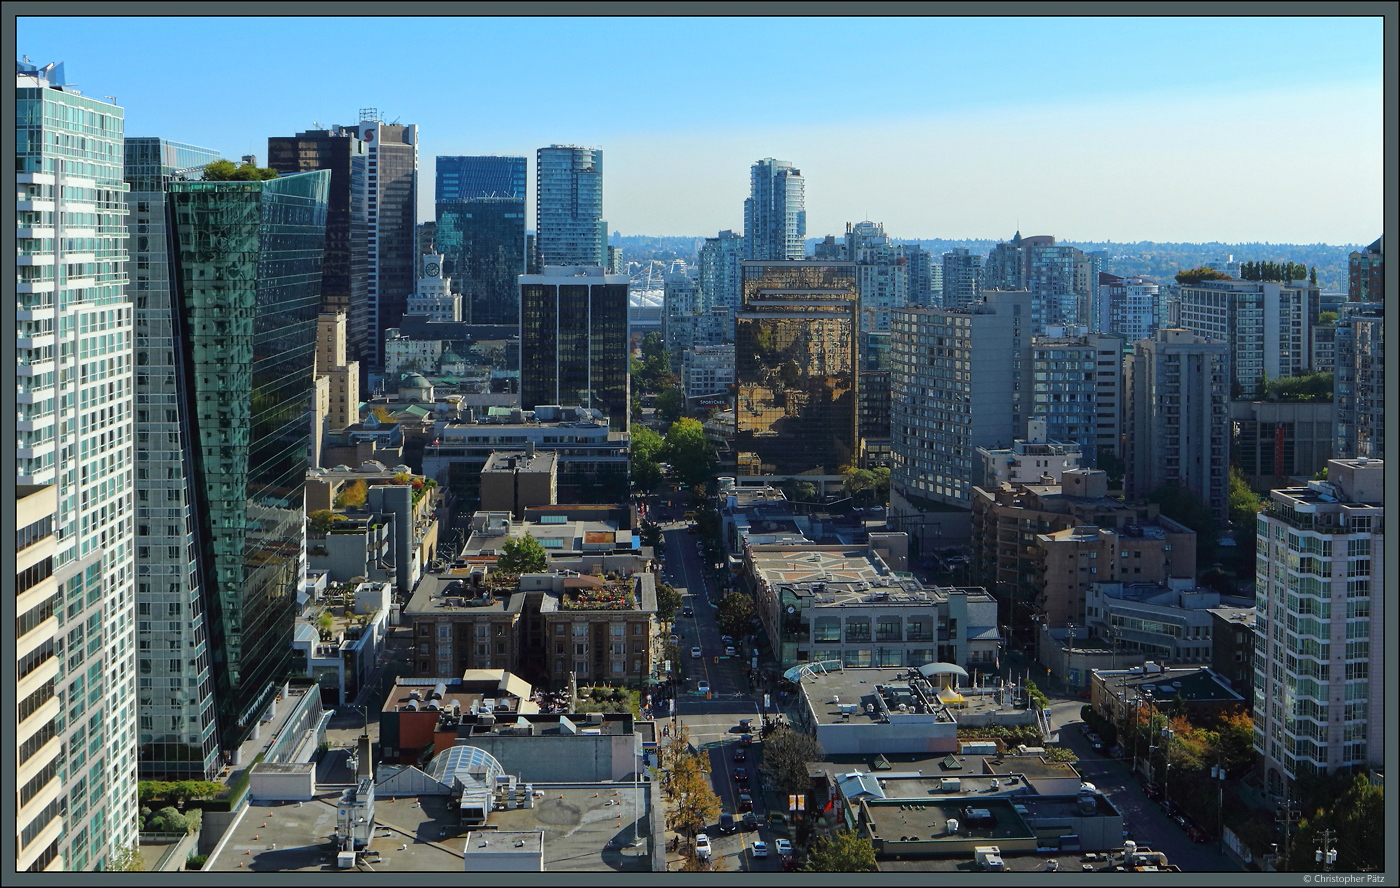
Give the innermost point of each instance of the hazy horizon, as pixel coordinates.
(1168, 129)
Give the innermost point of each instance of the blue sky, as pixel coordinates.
(1195, 129)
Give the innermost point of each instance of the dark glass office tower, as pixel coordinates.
(573, 341)
(482, 240)
(245, 262)
(177, 739)
(392, 184)
(466, 177)
(345, 273)
(795, 367)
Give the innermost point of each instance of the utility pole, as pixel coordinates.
(1326, 854)
(1217, 773)
(1289, 813)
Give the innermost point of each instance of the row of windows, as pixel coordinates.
(33, 575)
(33, 533)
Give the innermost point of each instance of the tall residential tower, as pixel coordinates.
(775, 215)
(75, 399)
(569, 225)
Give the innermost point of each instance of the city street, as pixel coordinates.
(713, 721)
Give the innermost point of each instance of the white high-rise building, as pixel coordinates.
(775, 215)
(569, 224)
(1319, 643)
(1267, 325)
(75, 398)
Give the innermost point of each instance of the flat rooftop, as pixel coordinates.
(587, 828)
(895, 687)
(1194, 685)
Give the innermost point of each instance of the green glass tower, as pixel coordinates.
(246, 283)
(176, 731)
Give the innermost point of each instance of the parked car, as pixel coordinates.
(730, 652)
(726, 640)
(703, 687)
(675, 639)
(702, 846)
(782, 846)
(760, 849)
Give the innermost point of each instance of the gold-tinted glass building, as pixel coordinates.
(795, 367)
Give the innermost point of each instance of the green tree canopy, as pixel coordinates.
(1305, 388)
(322, 520)
(786, 752)
(522, 555)
(226, 171)
(844, 852)
(670, 405)
(668, 601)
(1203, 273)
(647, 447)
(690, 453)
(733, 614)
(352, 495)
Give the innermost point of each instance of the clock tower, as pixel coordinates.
(433, 296)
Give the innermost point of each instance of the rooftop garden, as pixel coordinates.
(611, 597)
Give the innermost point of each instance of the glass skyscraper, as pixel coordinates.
(466, 177)
(569, 225)
(482, 240)
(74, 415)
(795, 356)
(246, 280)
(176, 730)
(345, 274)
(574, 342)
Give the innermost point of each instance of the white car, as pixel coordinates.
(783, 846)
(702, 846)
(696, 653)
(704, 686)
(730, 652)
(760, 849)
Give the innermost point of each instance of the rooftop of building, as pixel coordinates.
(475, 691)
(562, 535)
(580, 824)
(872, 695)
(1194, 684)
(1242, 616)
(369, 470)
(471, 592)
(529, 460)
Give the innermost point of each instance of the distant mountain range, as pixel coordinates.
(1159, 261)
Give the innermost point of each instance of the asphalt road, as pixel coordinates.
(712, 723)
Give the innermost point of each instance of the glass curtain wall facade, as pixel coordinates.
(176, 729)
(795, 368)
(74, 417)
(345, 274)
(574, 342)
(465, 177)
(569, 225)
(246, 271)
(482, 240)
